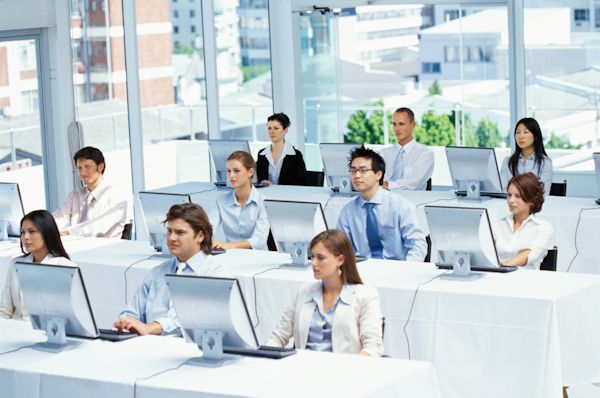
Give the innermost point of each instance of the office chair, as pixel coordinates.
(549, 262)
(558, 188)
(127, 229)
(429, 185)
(315, 178)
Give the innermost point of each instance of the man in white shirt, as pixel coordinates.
(97, 209)
(410, 164)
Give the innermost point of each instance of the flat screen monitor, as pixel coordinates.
(57, 302)
(474, 171)
(219, 152)
(11, 210)
(293, 225)
(462, 240)
(335, 159)
(155, 206)
(213, 314)
(596, 157)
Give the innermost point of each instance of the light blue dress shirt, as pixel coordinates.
(152, 301)
(275, 167)
(319, 332)
(528, 165)
(242, 223)
(402, 239)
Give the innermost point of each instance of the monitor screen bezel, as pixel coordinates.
(17, 225)
(455, 183)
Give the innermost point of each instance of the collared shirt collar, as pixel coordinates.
(530, 157)
(316, 294)
(288, 149)
(232, 200)
(377, 198)
(511, 220)
(195, 262)
(407, 147)
(29, 257)
(98, 190)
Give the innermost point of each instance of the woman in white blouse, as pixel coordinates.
(40, 243)
(522, 238)
(338, 313)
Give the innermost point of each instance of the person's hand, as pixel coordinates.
(134, 325)
(216, 244)
(64, 232)
(268, 182)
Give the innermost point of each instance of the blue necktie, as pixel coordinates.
(398, 171)
(373, 232)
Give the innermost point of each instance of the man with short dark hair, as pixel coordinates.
(189, 239)
(410, 164)
(379, 223)
(97, 209)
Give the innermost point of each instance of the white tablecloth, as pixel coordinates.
(155, 367)
(520, 334)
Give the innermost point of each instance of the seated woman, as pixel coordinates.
(241, 212)
(529, 155)
(522, 238)
(280, 163)
(338, 313)
(40, 243)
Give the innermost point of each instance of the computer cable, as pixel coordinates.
(16, 349)
(412, 304)
(254, 285)
(435, 201)
(153, 375)
(127, 269)
(203, 191)
(576, 231)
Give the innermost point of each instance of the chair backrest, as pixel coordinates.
(127, 229)
(549, 262)
(315, 178)
(558, 188)
(428, 256)
(429, 185)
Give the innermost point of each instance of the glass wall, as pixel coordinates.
(21, 158)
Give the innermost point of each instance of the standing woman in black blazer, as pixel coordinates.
(280, 163)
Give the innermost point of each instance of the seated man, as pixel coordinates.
(189, 239)
(97, 209)
(379, 223)
(410, 164)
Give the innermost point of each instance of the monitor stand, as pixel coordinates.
(212, 350)
(461, 268)
(473, 189)
(57, 337)
(343, 187)
(299, 253)
(598, 201)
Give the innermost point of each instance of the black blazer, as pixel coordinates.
(293, 169)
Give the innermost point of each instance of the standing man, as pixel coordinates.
(189, 239)
(410, 164)
(97, 209)
(379, 223)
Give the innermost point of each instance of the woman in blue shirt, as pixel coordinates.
(529, 155)
(338, 313)
(241, 212)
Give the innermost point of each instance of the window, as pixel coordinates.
(175, 14)
(431, 67)
(175, 29)
(192, 13)
(193, 29)
(581, 15)
(450, 15)
(451, 54)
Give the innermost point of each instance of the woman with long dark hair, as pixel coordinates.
(40, 243)
(529, 156)
(338, 313)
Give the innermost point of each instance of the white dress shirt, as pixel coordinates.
(524, 165)
(275, 167)
(534, 234)
(12, 305)
(106, 214)
(418, 165)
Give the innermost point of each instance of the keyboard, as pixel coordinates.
(360, 258)
(115, 335)
(216, 251)
(502, 269)
(499, 195)
(263, 351)
(260, 185)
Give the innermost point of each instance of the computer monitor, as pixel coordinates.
(335, 159)
(462, 240)
(11, 210)
(219, 152)
(293, 225)
(155, 206)
(475, 171)
(596, 157)
(57, 302)
(213, 314)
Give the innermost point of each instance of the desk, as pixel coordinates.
(522, 334)
(561, 212)
(102, 369)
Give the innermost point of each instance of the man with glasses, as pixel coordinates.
(379, 223)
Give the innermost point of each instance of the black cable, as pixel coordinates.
(16, 349)
(413, 304)
(331, 196)
(576, 230)
(127, 269)
(254, 285)
(153, 375)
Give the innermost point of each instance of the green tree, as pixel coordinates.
(467, 130)
(366, 128)
(250, 72)
(435, 88)
(558, 143)
(488, 134)
(435, 129)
